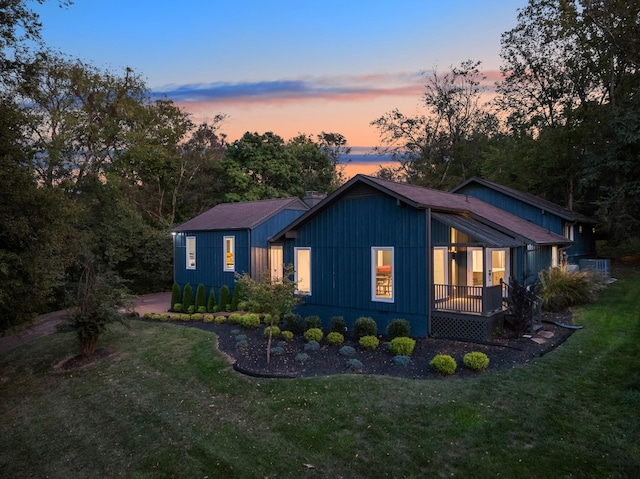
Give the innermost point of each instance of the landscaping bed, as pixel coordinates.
(246, 349)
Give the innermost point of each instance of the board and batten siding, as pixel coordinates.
(210, 258)
(341, 238)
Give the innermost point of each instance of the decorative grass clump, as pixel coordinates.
(560, 288)
(398, 328)
(312, 346)
(286, 335)
(274, 330)
(402, 346)
(365, 326)
(476, 361)
(369, 342)
(335, 339)
(443, 364)
(346, 351)
(313, 334)
(250, 320)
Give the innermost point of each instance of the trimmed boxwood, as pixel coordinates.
(365, 326)
(369, 342)
(476, 361)
(313, 334)
(338, 325)
(402, 346)
(398, 328)
(443, 364)
(335, 339)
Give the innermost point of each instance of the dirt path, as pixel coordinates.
(47, 323)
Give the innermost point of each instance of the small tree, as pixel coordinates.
(238, 296)
(225, 298)
(211, 303)
(176, 295)
(100, 301)
(187, 297)
(201, 298)
(272, 296)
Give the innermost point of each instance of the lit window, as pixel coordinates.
(302, 265)
(229, 253)
(275, 262)
(554, 257)
(382, 274)
(191, 252)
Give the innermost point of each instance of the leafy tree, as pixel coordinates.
(334, 145)
(317, 170)
(100, 299)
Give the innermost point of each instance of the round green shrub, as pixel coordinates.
(443, 364)
(208, 318)
(346, 351)
(365, 327)
(155, 316)
(292, 322)
(354, 365)
(476, 361)
(202, 309)
(274, 330)
(147, 315)
(191, 309)
(301, 357)
(235, 318)
(287, 335)
(250, 320)
(312, 322)
(398, 328)
(196, 317)
(312, 346)
(402, 346)
(277, 351)
(177, 307)
(185, 317)
(369, 342)
(401, 360)
(220, 319)
(313, 334)
(338, 325)
(335, 339)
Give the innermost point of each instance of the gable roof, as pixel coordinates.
(530, 199)
(243, 215)
(444, 202)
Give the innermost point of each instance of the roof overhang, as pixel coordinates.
(479, 231)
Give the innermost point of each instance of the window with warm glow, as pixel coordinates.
(229, 253)
(302, 265)
(191, 252)
(382, 274)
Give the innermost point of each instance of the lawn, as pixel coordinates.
(167, 404)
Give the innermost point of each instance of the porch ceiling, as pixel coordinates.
(477, 230)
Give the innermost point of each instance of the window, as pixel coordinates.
(382, 274)
(568, 231)
(554, 257)
(191, 252)
(229, 253)
(275, 262)
(302, 265)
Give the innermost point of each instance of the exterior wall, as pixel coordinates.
(341, 237)
(209, 258)
(584, 244)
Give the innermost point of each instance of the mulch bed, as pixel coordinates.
(507, 351)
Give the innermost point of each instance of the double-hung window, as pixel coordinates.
(191, 252)
(302, 265)
(229, 243)
(382, 274)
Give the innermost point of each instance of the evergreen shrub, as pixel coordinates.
(476, 361)
(287, 335)
(208, 318)
(275, 331)
(369, 342)
(335, 339)
(225, 298)
(398, 328)
(211, 302)
(187, 297)
(250, 320)
(201, 298)
(313, 334)
(235, 318)
(312, 322)
(177, 307)
(176, 295)
(220, 319)
(338, 325)
(402, 346)
(312, 346)
(354, 365)
(443, 364)
(238, 296)
(292, 322)
(365, 326)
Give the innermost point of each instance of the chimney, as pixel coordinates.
(312, 198)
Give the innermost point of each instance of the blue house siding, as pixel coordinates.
(341, 238)
(210, 258)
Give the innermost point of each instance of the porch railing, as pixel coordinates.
(468, 299)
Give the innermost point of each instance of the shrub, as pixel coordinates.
(277, 351)
(268, 318)
(476, 360)
(176, 295)
(312, 346)
(225, 298)
(177, 307)
(148, 315)
(250, 320)
(443, 364)
(242, 344)
(561, 288)
(354, 365)
(164, 317)
(402, 346)
(365, 327)
(201, 298)
(196, 317)
(185, 317)
(312, 322)
(398, 328)
(292, 322)
(313, 334)
(274, 330)
(211, 302)
(191, 309)
(202, 309)
(155, 316)
(346, 351)
(208, 318)
(238, 296)
(235, 318)
(220, 319)
(338, 325)
(335, 339)
(287, 335)
(401, 360)
(187, 297)
(369, 342)
(301, 357)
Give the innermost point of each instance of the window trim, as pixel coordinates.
(374, 297)
(190, 240)
(225, 267)
(295, 265)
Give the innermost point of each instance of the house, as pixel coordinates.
(230, 238)
(390, 250)
(573, 226)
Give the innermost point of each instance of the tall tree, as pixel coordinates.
(335, 146)
(317, 168)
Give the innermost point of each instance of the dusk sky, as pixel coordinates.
(284, 66)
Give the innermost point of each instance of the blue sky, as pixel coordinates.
(284, 66)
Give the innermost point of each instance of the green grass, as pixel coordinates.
(167, 404)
